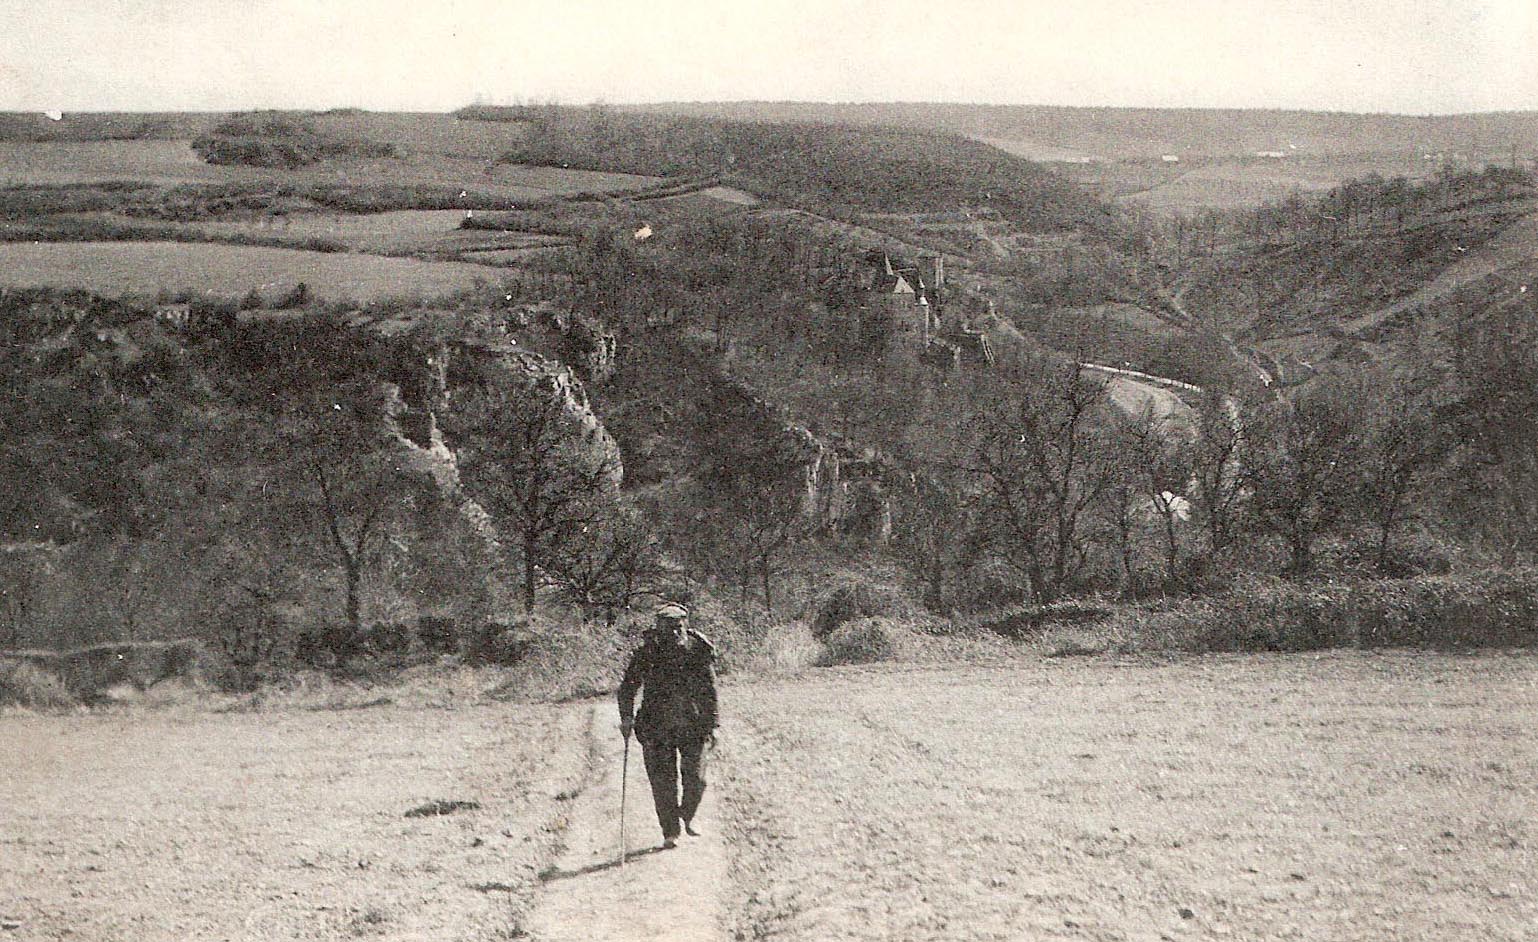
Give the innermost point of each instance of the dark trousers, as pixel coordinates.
(666, 764)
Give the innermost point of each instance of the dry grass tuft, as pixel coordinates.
(26, 685)
(858, 599)
(864, 641)
(1485, 609)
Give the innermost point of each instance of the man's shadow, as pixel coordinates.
(555, 873)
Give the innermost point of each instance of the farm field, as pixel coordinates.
(174, 162)
(1233, 183)
(1341, 796)
(55, 163)
(1337, 797)
(166, 825)
(387, 233)
(145, 268)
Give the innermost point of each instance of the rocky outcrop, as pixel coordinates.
(842, 491)
(426, 374)
(507, 365)
(585, 345)
(420, 392)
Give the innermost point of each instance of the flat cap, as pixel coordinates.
(673, 611)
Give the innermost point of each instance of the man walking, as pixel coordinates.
(676, 667)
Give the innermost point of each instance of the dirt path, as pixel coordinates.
(674, 895)
(1138, 398)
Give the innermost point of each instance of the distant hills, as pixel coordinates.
(1149, 133)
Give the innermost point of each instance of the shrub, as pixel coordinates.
(1486, 608)
(26, 685)
(788, 647)
(272, 139)
(562, 656)
(1489, 608)
(436, 634)
(859, 599)
(990, 586)
(863, 641)
(388, 639)
(296, 297)
(1271, 616)
(1026, 620)
(496, 643)
(228, 676)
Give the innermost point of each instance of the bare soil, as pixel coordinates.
(1342, 796)
(144, 825)
(1339, 797)
(601, 890)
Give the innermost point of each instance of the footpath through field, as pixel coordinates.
(657, 894)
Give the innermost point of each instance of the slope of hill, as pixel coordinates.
(1187, 160)
(162, 461)
(1137, 133)
(821, 166)
(1330, 278)
(761, 346)
(1513, 247)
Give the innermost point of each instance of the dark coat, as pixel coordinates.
(679, 703)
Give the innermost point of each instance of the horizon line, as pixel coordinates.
(535, 101)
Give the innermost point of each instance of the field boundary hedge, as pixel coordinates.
(1481, 609)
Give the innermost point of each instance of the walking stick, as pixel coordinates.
(624, 775)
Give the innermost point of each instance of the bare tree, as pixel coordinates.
(1304, 473)
(768, 524)
(1401, 445)
(934, 528)
(355, 510)
(610, 563)
(1495, 358)
(1220, 476)
(746, 528)
(1120, 507)
(1160, 462)
(536, 468)
(1043, 462)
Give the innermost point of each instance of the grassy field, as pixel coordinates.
(425, 132)
(170, 825)
(1147, 133)
(145, 268)
(1342, 796)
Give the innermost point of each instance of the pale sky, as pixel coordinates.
(1406, 56)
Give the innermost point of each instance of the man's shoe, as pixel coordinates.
(689, 829)
(669, 844)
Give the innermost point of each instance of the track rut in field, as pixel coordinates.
(675, 895)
